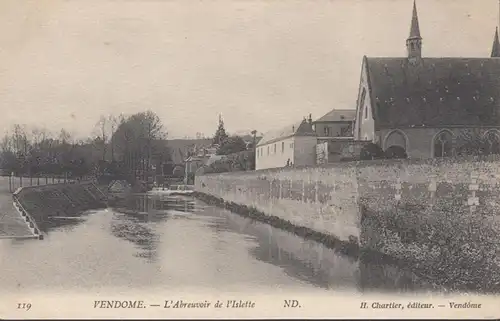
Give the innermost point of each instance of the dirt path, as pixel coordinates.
(12, 224)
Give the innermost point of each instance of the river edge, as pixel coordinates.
(351, 249)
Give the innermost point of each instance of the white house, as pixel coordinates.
(294, 145)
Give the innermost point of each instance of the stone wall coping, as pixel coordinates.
(394, 163)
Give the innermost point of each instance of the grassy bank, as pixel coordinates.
(60, 200)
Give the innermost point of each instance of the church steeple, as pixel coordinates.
(414, 41)
(495, 50)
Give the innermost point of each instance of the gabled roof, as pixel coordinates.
(119, 186)
(338, 115)
(302, 128)
(434, 91)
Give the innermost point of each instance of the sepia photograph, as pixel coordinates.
(249, 159)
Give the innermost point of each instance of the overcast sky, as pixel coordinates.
(261, 63)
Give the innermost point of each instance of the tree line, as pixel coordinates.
(133, 145)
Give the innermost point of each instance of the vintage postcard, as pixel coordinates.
(249, 159)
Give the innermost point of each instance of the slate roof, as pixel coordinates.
(434, 91)
(302, 128)
(338, 115)
(179, 147)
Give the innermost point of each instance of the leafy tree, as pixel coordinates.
(371, 151)
(220, 166)
(178, 171)
(232, 144)
(472, 142)
(139, 141)
(220, 135)
(395, 152)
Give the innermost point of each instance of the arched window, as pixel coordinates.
(395, 145)
(395, 138)
(492, 142)
(443, 144)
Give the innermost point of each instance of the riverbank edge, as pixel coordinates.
(27, 218)
(348, 248)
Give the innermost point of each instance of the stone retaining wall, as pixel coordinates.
(441, 214)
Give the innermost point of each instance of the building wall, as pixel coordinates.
(193, 165)
(318, 198)
(285, 150)
(322, 153)
(337, 150)
(364, 128)
(335, 129)
(420, 141)
(305, 151)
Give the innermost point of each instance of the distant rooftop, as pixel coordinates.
(338, 115)
(301, 128)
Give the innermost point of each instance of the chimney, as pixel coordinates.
(310, 119)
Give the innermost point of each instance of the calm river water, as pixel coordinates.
(176, 242)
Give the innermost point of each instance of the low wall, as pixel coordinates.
(58, 200)
(440, 215)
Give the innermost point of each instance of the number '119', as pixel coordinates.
(24, 306)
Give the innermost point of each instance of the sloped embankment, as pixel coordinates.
(59, 200)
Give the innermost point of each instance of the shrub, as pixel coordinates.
(395, 152)
(446, 242)
(371, 151)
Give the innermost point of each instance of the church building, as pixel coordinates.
(421, 107)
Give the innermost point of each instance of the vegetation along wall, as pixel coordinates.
(439, 215)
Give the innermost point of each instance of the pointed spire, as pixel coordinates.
(414, 41)
(414, 29)
(495, 51)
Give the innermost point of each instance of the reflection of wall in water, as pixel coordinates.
(327, 267)
(148, 204)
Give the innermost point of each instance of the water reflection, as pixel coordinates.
(62, 223)
(312, 262)
(133, 229)
(138, 215)
(155, 241)
(301, 259)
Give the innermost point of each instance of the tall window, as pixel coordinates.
(492, 142)
(275, 148)
(267, 150)
(443, 144)
(362, 102)
(282, 147)
(346, 131)
(327, 131)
